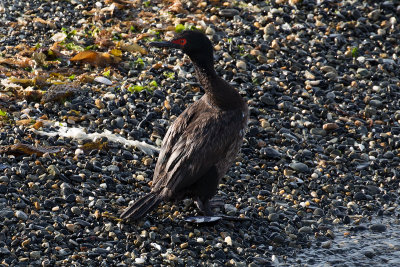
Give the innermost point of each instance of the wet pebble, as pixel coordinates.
(21, 215)
(6, 213)
(299, 166)
(228, 12)
(269, 152)
(378, 227)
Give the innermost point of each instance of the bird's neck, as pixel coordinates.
(221, 94)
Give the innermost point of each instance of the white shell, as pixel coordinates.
(103, 80)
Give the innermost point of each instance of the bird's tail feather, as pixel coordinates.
(141, 207)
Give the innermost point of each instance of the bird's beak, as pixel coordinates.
(166, 44)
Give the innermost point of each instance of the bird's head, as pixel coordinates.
(193, 43)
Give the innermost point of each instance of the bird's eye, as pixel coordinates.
(181, 41)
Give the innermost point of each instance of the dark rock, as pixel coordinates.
(268, 152)
(359, 196)
(378, 227)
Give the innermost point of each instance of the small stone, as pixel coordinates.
(4, 251)
(148, 161)
(76, 210)
(327, 69)
(99, 104)
(255, 52)
(309, 76)
(120, 200)
(346, 219)
(210, 31)
(318, 212)
(175, 239)
(378, 227)
(326, 244)
(288, 172)
(139, 260)
(362, 166)
(305, 230)
(262, 59)
(330, 95)
(273, 217)
(99, 204)
(240, 64)
(25, 243)
(376, 103)
(299, 167)
(228, 240)
(71, 227)
(227, 56)
(369, 254)
(3, 189)
(140, 177)
(266, 99)
(331, 75)
(113, 168)
(318, 131)
(34, 255)
(56, 208)
(361, 59)
(5, 213)
(271, 153)
(285, 105)
(374, 15)
(372, 189)
(363, 72)
(269, 29)
(275, 45)
(220, 254)
(21, 215)
(228, 12)
(359, 196)
(119, 122)
(230, 209)
(388, 155)
(330, 126)
(53, 170)
(45, 263)
(265, 124)
(64, 252)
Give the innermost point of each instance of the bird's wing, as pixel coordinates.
(194, 144)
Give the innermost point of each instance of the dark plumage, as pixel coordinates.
(203, 141)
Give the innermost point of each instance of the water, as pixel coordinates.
(355, 248)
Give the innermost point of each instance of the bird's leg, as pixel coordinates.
(216, 202)
(204, 206)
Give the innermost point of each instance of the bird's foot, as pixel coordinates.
(205, 208)
(215, 218)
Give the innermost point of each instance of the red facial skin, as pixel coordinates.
(181, 41)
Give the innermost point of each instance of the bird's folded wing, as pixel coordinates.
(191, 149)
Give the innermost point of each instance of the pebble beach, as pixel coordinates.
(85, 104)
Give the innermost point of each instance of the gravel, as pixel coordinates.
(321, 152)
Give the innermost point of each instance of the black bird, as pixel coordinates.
(203, 141)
